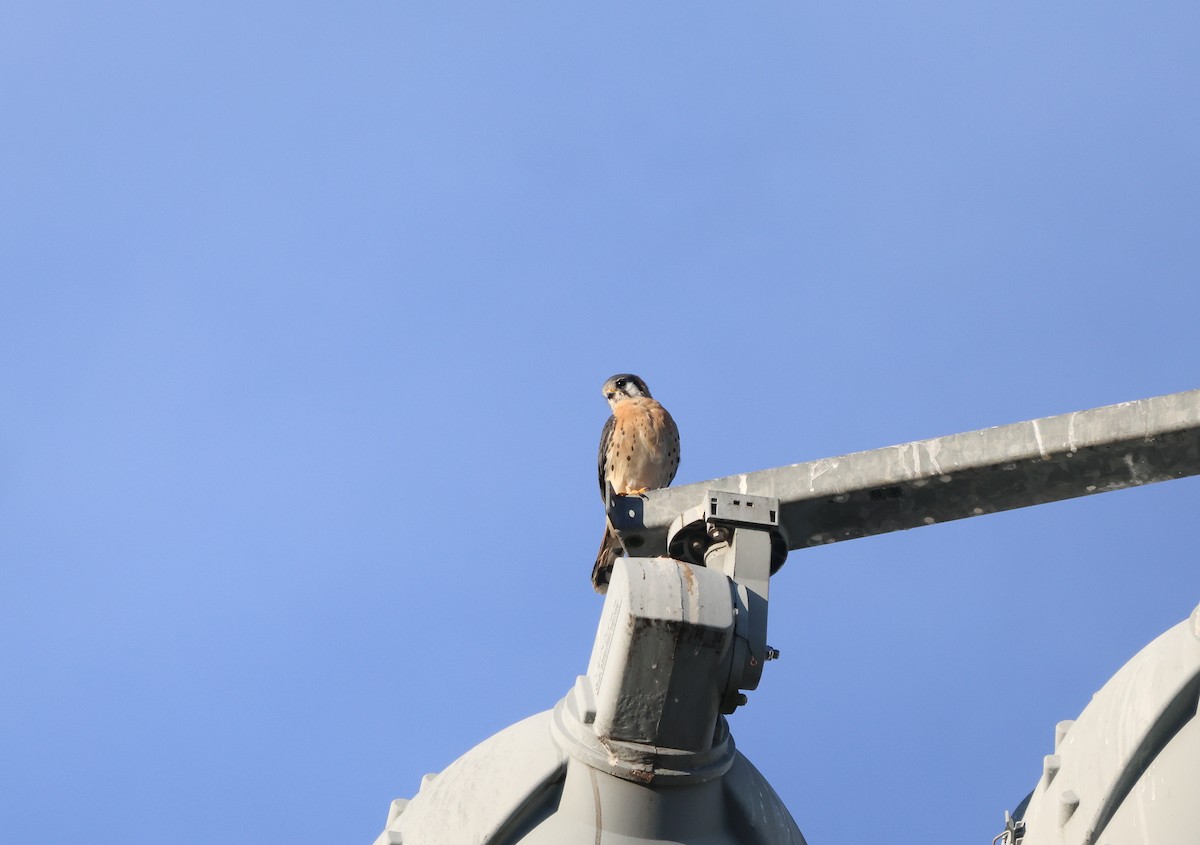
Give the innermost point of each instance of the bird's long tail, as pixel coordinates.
(610, 549)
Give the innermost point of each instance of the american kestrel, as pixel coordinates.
(639, 451)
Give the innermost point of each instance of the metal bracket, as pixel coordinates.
(1013, 833)
(738, 536)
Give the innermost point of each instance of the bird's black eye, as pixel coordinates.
(621, 384)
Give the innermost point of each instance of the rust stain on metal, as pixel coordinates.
(596, 802)
(689, 578)
(642, 775)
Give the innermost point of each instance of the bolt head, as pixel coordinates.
(718, 534)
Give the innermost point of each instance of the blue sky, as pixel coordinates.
(305, 313)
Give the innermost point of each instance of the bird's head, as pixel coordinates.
(624, 386)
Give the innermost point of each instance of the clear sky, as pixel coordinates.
(306, 308)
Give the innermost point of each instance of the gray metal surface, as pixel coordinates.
(660, 652)
(740, 807)
(519, 786)
(1126, 769)
(479, 797)
(947, 478)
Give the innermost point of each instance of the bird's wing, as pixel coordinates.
(605, 439)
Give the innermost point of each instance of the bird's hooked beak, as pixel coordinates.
(610, 394)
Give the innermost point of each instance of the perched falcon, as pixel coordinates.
(639, 451)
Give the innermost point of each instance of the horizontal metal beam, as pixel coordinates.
(954, 477)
